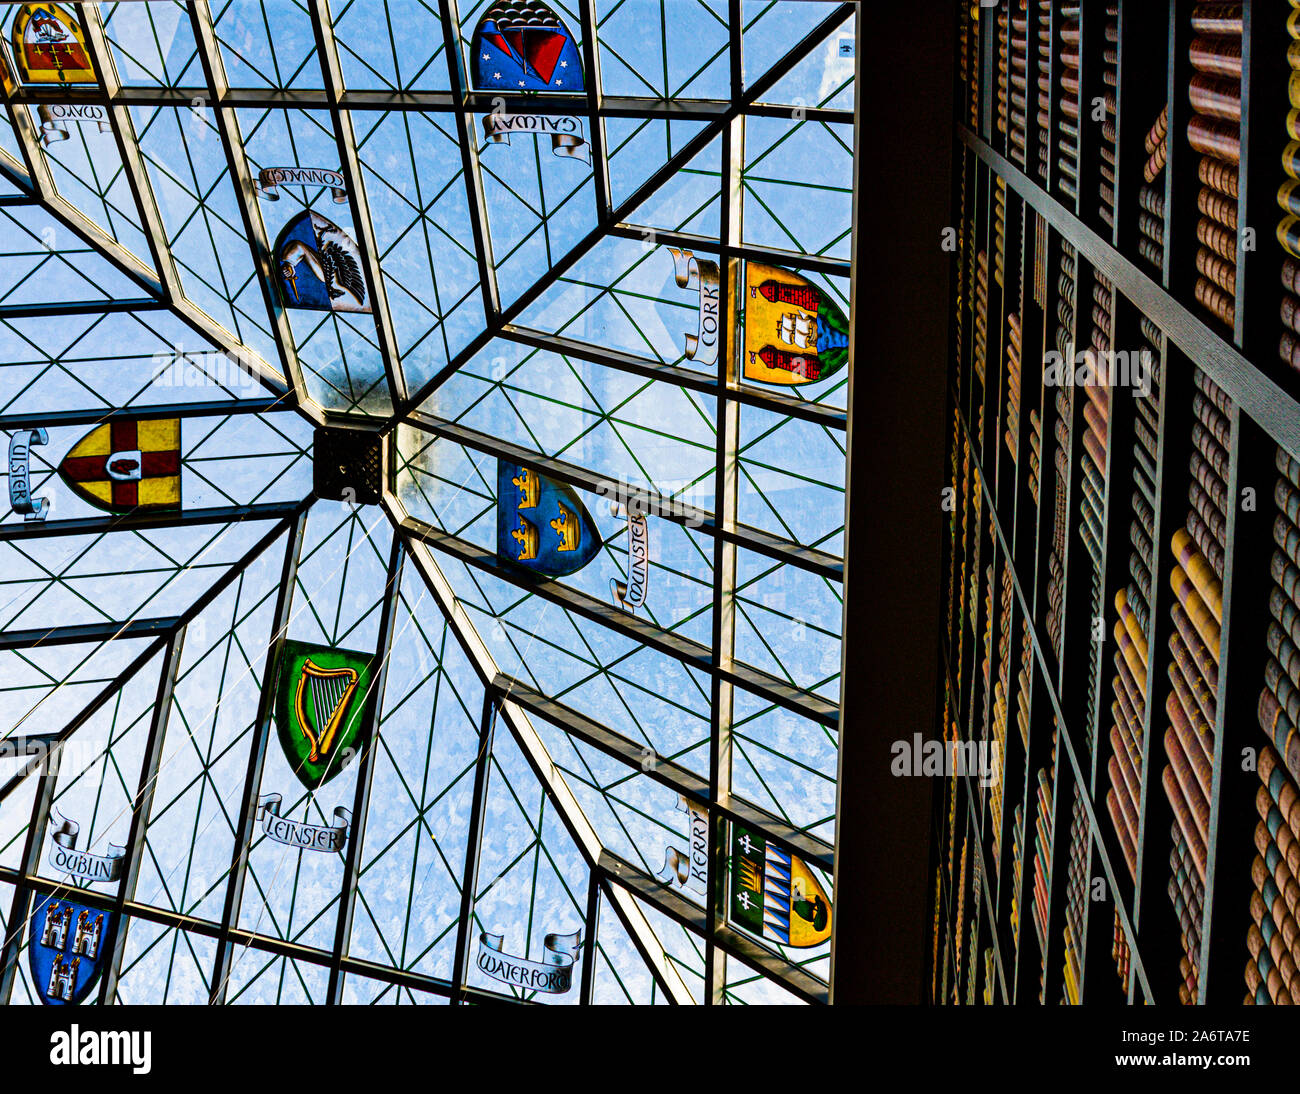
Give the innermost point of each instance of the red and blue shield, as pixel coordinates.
(542, 525)
(522, 45)
(66, 949)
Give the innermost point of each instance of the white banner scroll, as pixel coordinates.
(268, 178)
(689, 869)
(565, 132)
(702, 346)
(56, 116)
(553, 975)
(84, 867)
(630, 595)
(20, 474)
(311, 837)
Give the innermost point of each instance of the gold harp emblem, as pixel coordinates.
(331, 691)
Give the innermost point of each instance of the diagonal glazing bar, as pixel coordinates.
(365, 774)
(238, 872)
(472, 174)
(621, 874)
(530, 744)
(747, 395)
(259, 244)
(266, 944)
(667, 772)
(474, 840)
(647, 500)
(146, 204)
(142, 811)
(183, 518)
(629, 205)
(633, 627)
(86, 632)
(327, 52)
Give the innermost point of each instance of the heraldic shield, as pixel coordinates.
(319, 708)
(318, 266)
(794, 332)
(522, 45)
(542, 525)
(126, 465)
(66, 949)
(50, 47)
(774, 894)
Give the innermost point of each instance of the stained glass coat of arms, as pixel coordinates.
(422, 570)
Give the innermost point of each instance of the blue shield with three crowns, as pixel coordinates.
(66, 949)
(542, 525)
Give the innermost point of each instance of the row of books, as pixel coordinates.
(1096, 416)
(968, 26)
(1151, 194)
(1045, 781)
(1272, 937)
(1214, 134)
(1120, 950)
(1040, 275)
(1044, 85)
(1131, 629)
(1012, 431)
(1076, 899)
(981, 301)
(956, 883)
(1067, 102)
(1063, 399)
(1004, 72)
(1019, 79)
(1196, 575)
(1001, 711)
(1288, 198)
(1108, 148)
(961, 914)
(1017, 866)
(999, 231)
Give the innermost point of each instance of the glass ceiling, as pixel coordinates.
(421, 579)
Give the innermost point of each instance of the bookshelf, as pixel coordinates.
(1120, 585)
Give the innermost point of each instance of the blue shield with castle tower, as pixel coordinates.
(66, 950)
(542, 525)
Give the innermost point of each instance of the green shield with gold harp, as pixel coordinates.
(320, 708)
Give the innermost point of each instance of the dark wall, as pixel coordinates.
(896, 437)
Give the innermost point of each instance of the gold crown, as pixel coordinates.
(526, 536)
(566, 527)
(529, 488)
(749, 878)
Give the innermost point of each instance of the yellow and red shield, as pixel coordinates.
(50, 47)
(127, 465)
